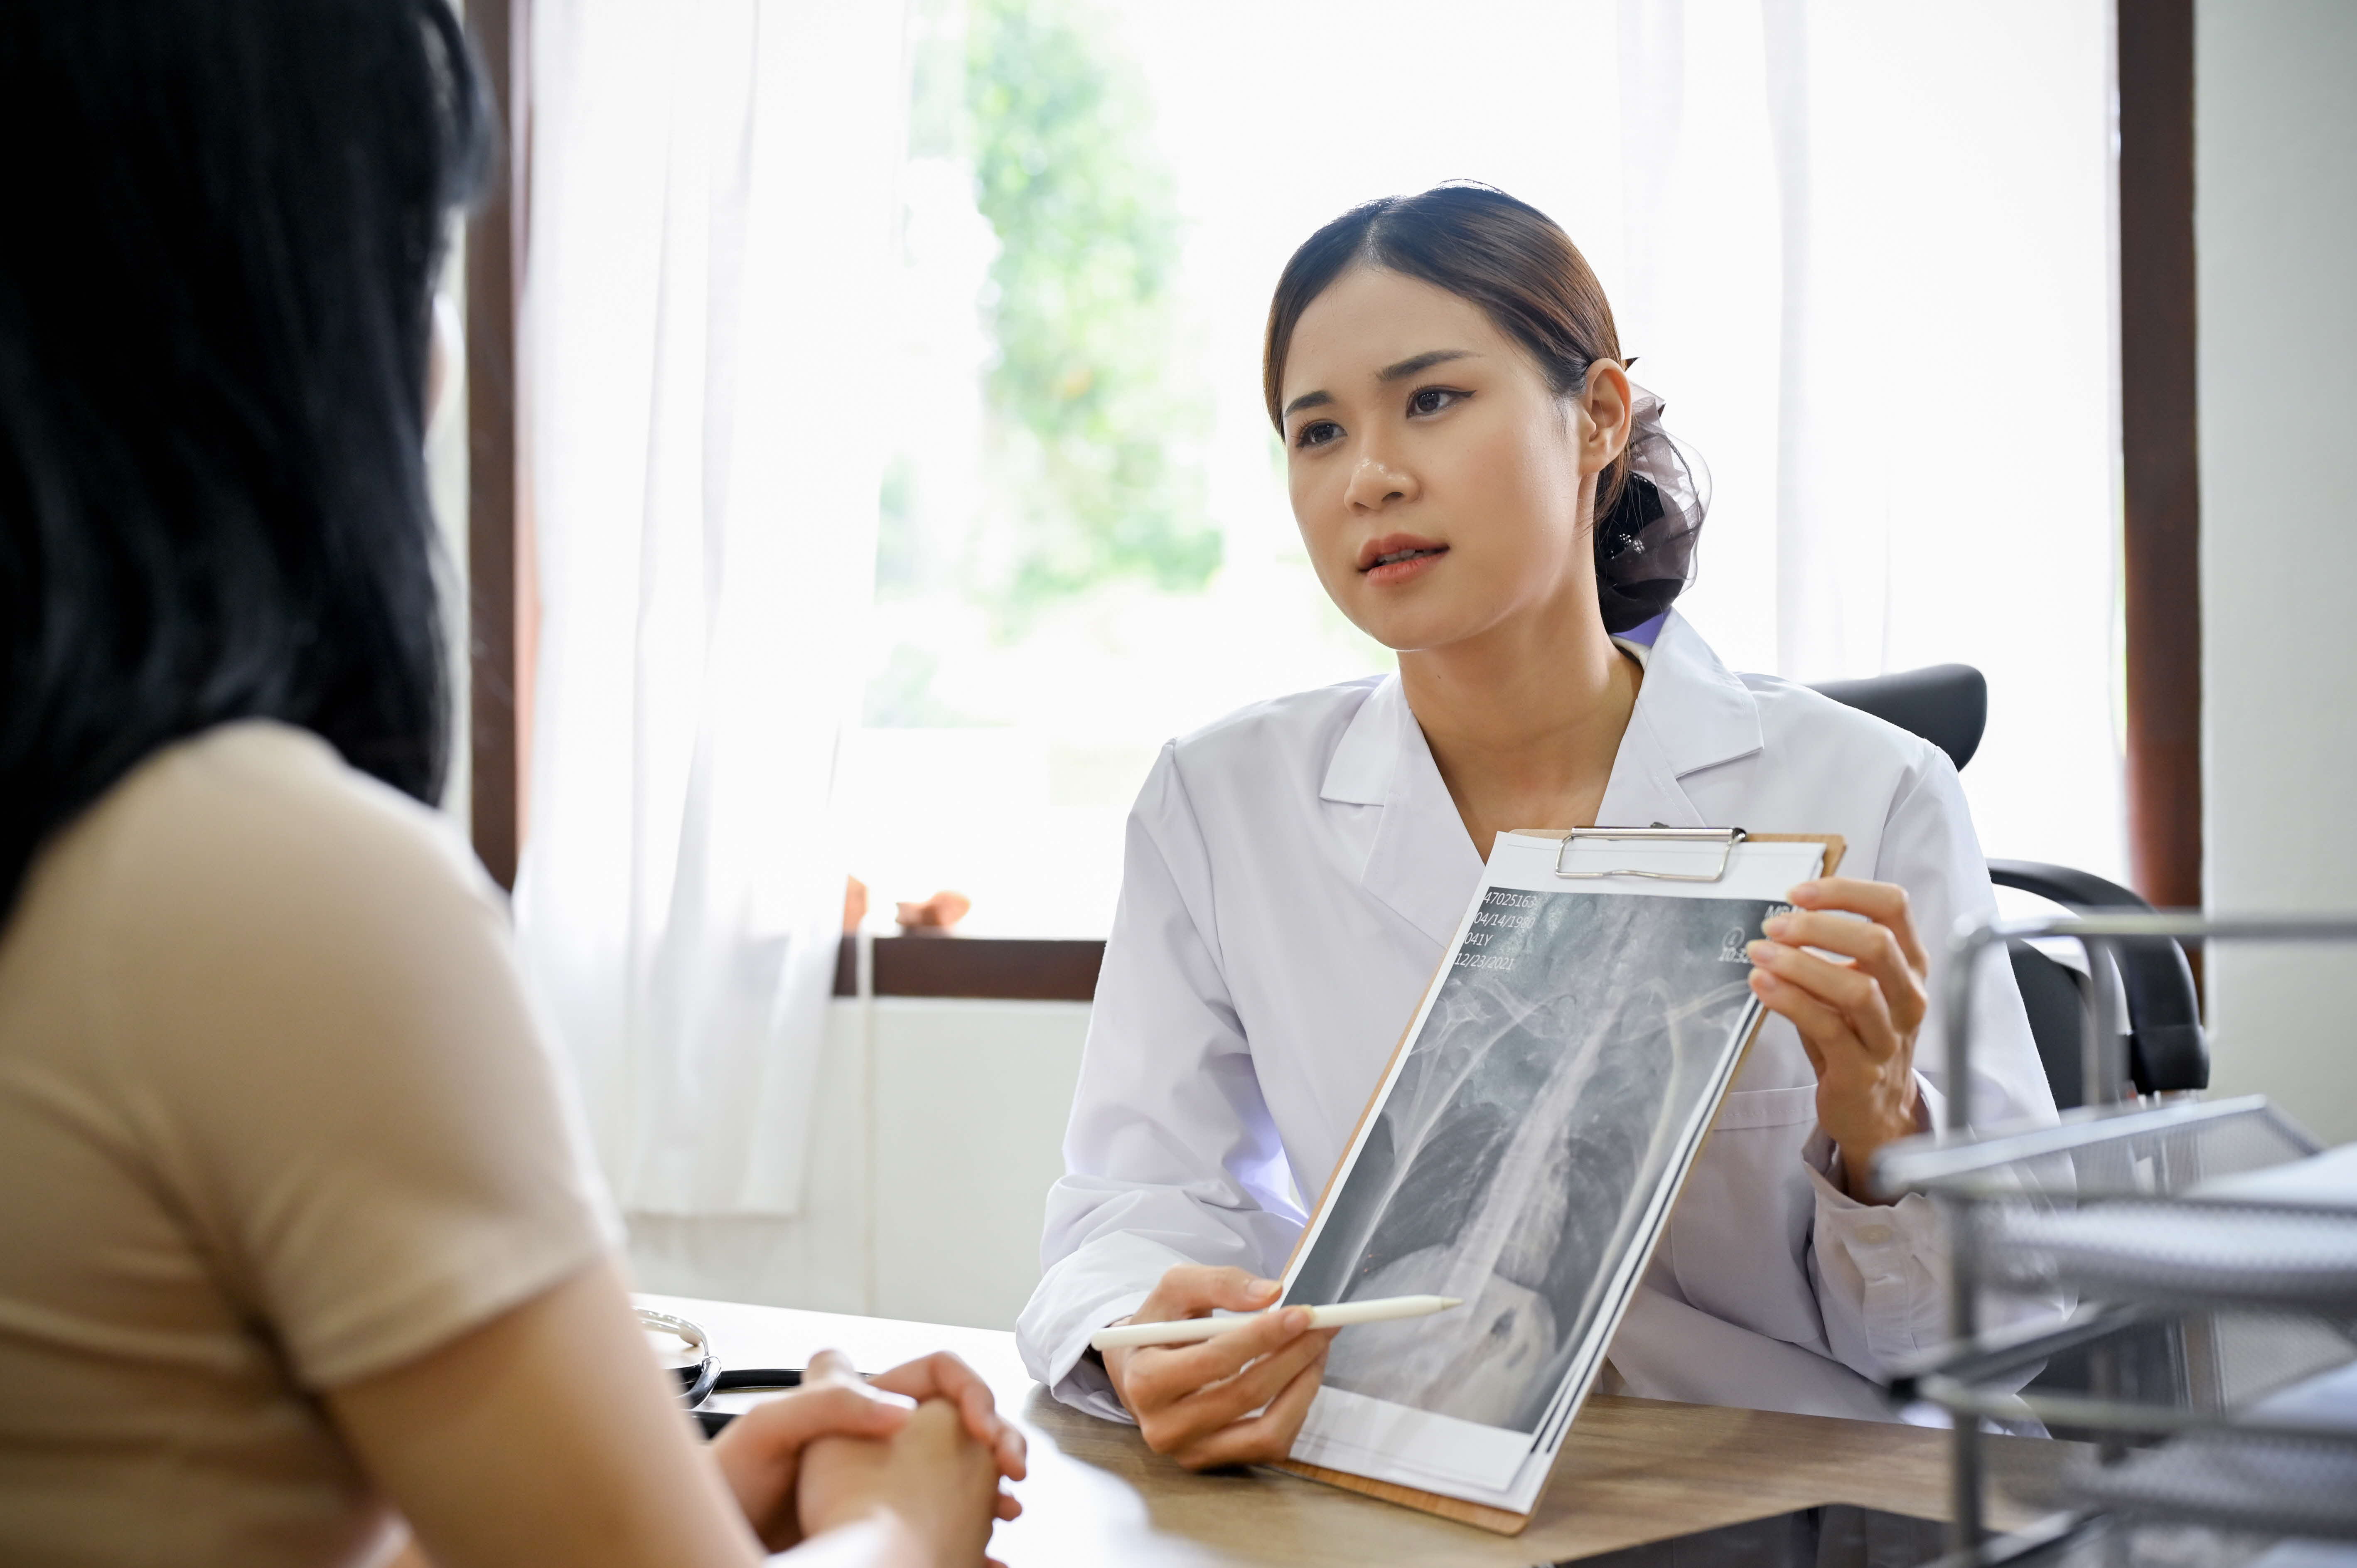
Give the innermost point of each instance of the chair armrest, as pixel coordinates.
(2167, 1049)
(2064, 885)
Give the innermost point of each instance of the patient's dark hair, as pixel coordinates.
(213, 330)
(1509, 259)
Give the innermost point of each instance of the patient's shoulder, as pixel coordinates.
(254, 827)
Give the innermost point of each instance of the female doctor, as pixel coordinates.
(1446, 378)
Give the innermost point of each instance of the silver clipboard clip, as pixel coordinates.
(1726, 838)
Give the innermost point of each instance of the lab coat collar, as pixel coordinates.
(1422, 861)
(1691, 714)
(1360, 773)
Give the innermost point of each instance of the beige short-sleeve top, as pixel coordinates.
(275, 1115)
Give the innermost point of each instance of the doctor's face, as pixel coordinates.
(1439, 480)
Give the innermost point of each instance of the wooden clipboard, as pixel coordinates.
(1482, 1516)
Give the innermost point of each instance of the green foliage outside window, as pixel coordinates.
(1092, 436)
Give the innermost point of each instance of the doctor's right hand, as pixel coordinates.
(1196, 1403)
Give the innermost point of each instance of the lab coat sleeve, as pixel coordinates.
(1170, 1155)
(1879, 1271)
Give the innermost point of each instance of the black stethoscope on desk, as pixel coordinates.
(702, 1378)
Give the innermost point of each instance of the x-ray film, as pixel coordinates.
(1525, 1149)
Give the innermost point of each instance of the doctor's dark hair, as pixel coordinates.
(213, 334)
(1509, 259)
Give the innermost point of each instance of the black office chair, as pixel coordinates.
(1947, 704)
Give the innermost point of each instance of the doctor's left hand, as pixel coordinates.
(1858, 1012)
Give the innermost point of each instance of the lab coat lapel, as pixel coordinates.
(1691, 714)
(1422, 864)
(1643, 791)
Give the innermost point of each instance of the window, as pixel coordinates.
(1820, 249)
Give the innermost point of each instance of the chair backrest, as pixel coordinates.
(1947, 704)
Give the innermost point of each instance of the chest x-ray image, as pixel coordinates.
(1550, 1096)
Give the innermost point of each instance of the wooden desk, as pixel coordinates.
(1632, 1470)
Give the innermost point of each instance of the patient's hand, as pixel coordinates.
(762, 1453)
(931, 1480)
(943, 1376)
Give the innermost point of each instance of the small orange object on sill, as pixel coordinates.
(935, 916)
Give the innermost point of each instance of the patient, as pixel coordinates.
(299, 1246)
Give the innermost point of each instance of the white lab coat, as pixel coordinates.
(1294, 873)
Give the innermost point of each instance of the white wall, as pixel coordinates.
(2276, 228)
(944, 1126)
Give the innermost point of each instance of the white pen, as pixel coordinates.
(1186, 1330)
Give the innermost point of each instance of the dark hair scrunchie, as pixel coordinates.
(1645, 537)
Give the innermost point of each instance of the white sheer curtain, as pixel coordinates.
(1869, 260)
(711, 189)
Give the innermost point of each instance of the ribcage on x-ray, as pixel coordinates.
(1514, 1159)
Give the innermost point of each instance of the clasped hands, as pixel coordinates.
(1241, 1399)
(918, 1452)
